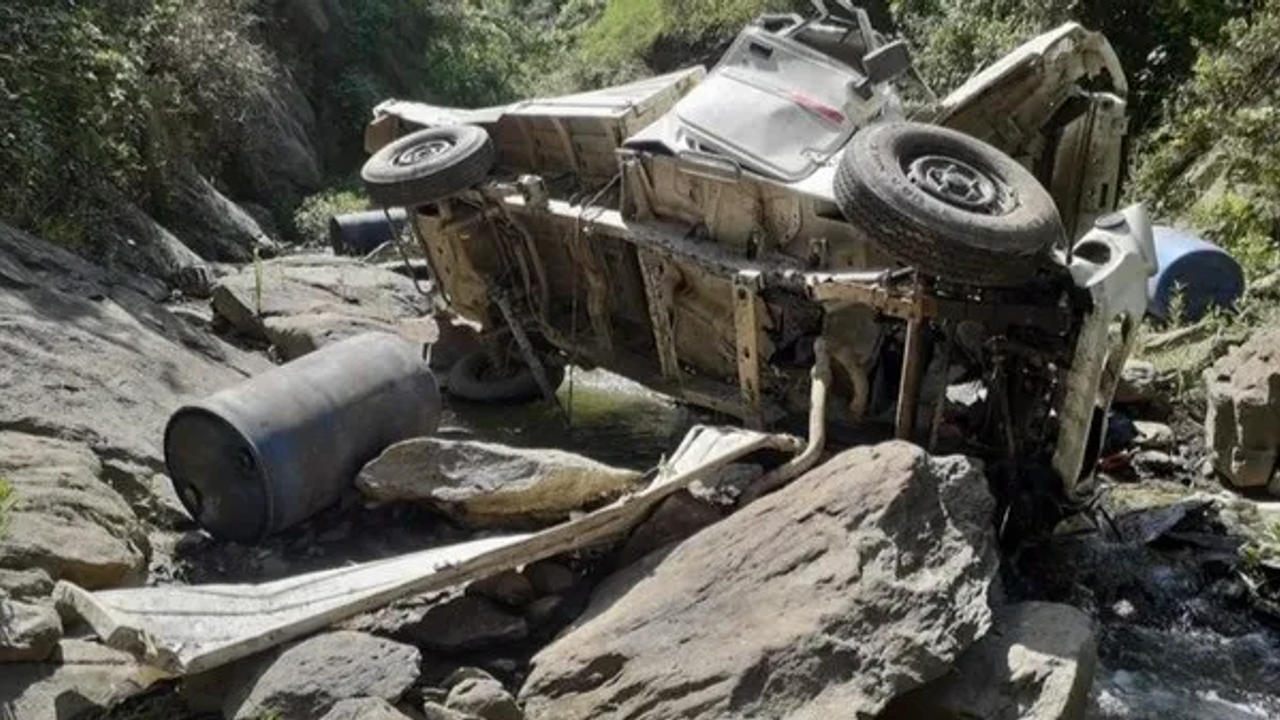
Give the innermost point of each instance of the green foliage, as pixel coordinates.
(311, 219)
(6, 499)
(1214, 163)
(93, 89)
(1155, 39)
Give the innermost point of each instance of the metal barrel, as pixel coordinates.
(270, 452)
(360, 233)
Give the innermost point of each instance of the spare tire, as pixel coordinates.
(428, 165)
(946, 203)
(471, 379)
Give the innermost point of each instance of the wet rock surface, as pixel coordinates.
(302, 302)
(488, 485)
(1181, 634)
(874, 592)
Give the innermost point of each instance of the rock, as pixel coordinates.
(676, 518)
(549, 577)
(79, 678)
(1037, 663)
(302, 302)
(1242, 422)
(1153, 435)
(860, 580)
(1155, 462)
(88, 358)
(546, 610)
(508, 587)
(489, 485)
(364, 709)
(725, 486)
(277, 157)
(304, 680)
(63, 519)
(208, 222)
(463, 624)
(436, 711)
(1138, 383)
(485, 699)
(26, 583)
(27, 632)
(141, 244)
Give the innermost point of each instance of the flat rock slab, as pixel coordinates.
(1037, 663)
(487, 485)
(63, 519)
(88, 358)
(78, 678)
(302, 302)
(304, 680)
(1242, 422)
(866, 577)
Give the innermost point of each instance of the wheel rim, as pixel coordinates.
(959, 184)
(421, 152)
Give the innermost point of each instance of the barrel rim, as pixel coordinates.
(200, 409)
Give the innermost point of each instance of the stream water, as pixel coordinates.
(605, 417)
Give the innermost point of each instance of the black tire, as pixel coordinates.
(428, 165)
(946, 203)
(467, 380)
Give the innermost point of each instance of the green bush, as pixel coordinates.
(98, 94)
(311, 219)
(1156, 40)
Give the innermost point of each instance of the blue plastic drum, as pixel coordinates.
(1205, 274)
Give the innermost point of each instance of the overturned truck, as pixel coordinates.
(702, 232)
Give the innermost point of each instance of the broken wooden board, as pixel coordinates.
(189, 629)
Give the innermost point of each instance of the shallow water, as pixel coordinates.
(611, 419)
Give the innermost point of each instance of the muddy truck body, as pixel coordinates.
(700, 231)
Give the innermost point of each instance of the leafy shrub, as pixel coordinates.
(311, 219)
(99, 93)
(1155, 39)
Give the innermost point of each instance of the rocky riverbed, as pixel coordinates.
(879, 584)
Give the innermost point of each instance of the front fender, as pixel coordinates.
(1111, 263)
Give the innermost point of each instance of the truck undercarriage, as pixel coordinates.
(644, 229)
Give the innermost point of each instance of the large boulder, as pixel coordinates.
(489, 485)
(1037, 663)
(88, 358)
(209, 223)
(864, 578)
(1242, 423)
(302, 302)
(304, 680)
(63, 519)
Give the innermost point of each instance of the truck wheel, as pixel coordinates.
(428, 165)
(947, 204)
(473, 378)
